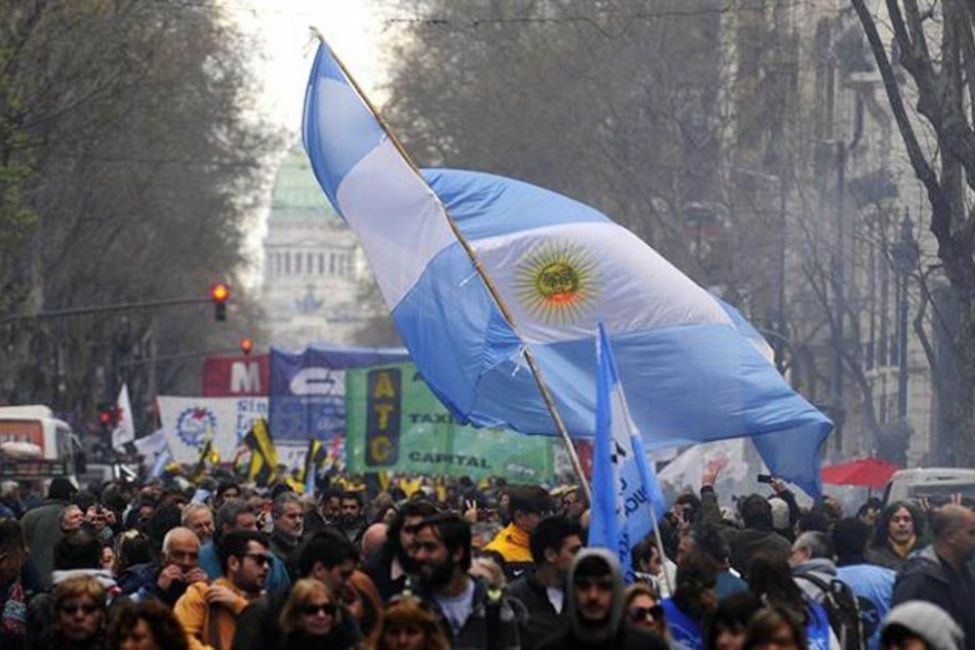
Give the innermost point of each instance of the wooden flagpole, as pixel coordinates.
(488, 282)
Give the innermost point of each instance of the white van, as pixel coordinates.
(934, 483)
(36, 445)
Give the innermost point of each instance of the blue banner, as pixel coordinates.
(307, 394)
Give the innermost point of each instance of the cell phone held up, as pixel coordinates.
(764, 478)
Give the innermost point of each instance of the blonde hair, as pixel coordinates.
(300, 593)
(80, 586)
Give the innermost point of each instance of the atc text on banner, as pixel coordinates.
(395, 423)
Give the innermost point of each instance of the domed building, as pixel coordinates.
(313, 266)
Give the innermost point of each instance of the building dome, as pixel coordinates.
(297, 195)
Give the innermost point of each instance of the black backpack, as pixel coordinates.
(843, 611)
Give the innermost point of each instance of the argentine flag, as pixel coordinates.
(625, 492)
(691, 368)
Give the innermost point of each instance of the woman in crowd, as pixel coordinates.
(643, 609)
(310, 619)
(78, 607)
(148, 625)
(693, 600)
(16, 586)
(897, 535)
(770, 579)
(407, 625)
(775, 627)
(729, 623)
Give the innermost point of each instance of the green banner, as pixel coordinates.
(395, 423)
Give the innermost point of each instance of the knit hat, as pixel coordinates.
(927, 621)
(780, 513)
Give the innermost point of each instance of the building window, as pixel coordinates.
(321, 264)
(297, 263)
(331, 263)
(310, 267)
(287, 262)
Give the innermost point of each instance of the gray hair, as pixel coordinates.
(190, 508)
(228, 513)
(283, 499)
(179, 530)
(817, 543)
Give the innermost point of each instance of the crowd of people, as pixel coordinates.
(420, 564)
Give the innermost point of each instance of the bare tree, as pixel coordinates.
(936, 46)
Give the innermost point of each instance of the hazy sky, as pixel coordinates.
(356, 31)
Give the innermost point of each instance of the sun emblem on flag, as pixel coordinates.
(557, 282)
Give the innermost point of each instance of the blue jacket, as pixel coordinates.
(873, 587)
(277, 577)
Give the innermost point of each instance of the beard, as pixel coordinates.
(408, 563)
(436, 576)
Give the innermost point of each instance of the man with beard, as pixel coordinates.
(595, 608)
(390, 566)
(287, 515)
(167, 580)
(208, 613)
(351, 521)
(471, 615)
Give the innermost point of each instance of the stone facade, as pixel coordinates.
(314, 269)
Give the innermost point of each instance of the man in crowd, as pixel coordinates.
(554, 544)
(287, 515)
(199, 518)
(527, 504)
(352, 520)
(595, 608)
(168, 579)
(872, 585)
(705, 537)
(812, 564)
(42, 526)
(940, 573)
(208, 612)
(236, 515)
(472, 616)
(390, 567)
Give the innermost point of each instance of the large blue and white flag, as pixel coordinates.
(560, 267)
(624, 488)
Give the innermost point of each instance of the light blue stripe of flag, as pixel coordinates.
(625, 492)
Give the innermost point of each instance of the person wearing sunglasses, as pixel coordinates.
(208, 612)
(594, 608)
(311, 619)
(79, 606)
(643, 609)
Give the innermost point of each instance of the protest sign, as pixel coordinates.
(188, 422)
(395, 423)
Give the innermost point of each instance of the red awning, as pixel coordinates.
(867, 472)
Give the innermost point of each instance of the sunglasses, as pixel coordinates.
(654, 613)
(260, 559)
(71, 610)
(325, 608)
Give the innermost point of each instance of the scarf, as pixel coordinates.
(13, 617)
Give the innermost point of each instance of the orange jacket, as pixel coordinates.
(209, 626)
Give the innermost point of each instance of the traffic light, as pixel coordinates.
(246, 345)
(219, 293)
(107, 416)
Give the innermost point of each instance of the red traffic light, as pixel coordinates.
(219, 292)
(105, 417)
(246, 345)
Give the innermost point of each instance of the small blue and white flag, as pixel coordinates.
(625, 494)
(692, 372)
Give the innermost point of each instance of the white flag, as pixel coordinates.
(124, 426)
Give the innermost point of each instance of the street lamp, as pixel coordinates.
(904, 256)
